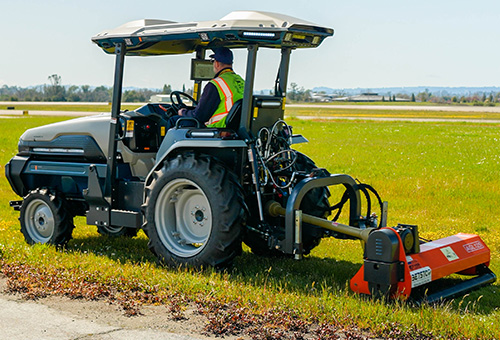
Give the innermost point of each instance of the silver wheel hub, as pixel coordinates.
(183, 217)
(39, 221)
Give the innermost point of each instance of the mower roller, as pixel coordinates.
(199, 192)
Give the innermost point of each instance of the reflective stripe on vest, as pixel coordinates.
(228, 103)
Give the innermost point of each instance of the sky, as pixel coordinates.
(376, 44)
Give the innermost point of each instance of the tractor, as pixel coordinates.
(199, 193)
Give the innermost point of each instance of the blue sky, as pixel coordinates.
(376, 43)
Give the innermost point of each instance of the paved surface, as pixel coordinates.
(398, 119)
(49, 113)
(26, 320)
(323, 106)
(475, 109)
(404, 107)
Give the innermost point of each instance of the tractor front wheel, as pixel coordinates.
(194, 211)
(45, 218)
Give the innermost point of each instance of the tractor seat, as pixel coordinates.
(234, 116)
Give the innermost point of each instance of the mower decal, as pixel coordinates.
(473, 246)
(421, 276)
(449, 253)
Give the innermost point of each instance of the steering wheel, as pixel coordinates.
(176, 99)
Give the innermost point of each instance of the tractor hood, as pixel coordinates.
(96, 127)
(235, 30)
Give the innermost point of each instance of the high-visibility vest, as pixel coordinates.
(230, 87)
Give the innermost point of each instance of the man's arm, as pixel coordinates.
(207, 104)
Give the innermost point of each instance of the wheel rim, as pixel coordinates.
(39, 221)
(183, 217)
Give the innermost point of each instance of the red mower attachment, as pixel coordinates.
(395, 263)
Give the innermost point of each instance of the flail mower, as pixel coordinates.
(199, 192)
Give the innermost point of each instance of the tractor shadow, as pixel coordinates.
(310, 276)
(307, 276)
(120, 249)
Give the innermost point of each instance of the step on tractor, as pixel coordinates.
(199, 193)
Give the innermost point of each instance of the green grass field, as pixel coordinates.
(443, 177)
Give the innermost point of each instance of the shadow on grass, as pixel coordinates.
(298, 276)
(309, 276)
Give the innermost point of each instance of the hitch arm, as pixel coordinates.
(275, 209)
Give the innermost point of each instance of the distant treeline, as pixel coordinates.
(56, 92)
(83, 93)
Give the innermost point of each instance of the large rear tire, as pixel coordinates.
(45, 218)
(194, 212)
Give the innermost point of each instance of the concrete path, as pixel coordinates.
(31, 320)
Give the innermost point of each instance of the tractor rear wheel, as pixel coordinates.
(45, 218)
(194, 212)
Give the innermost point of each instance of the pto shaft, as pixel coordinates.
(274, 209)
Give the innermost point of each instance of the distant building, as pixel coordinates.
(321, 97)
(369, 97)
(160, 98)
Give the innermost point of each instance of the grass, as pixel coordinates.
(443, 177)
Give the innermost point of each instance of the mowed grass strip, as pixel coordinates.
(443, 177)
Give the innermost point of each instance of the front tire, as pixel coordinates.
(194, 211)
(45, 218)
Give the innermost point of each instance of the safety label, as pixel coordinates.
(449, 253)
(130, 129)
(421, 276)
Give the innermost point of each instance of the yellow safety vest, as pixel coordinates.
(230, 87)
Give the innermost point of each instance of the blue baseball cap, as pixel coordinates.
(223, 55)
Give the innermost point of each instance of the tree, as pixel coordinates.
(424, 96)
(55, 92)
(413, 97)
(167, 89)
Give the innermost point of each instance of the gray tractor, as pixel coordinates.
(199, 192)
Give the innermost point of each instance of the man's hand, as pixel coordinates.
(181, 112)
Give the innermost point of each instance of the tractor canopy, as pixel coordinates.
(236, 30)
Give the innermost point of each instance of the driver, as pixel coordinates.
(219, 94)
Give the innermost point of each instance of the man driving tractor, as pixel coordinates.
(219, 94)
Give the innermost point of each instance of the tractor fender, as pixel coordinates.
(177, 140)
